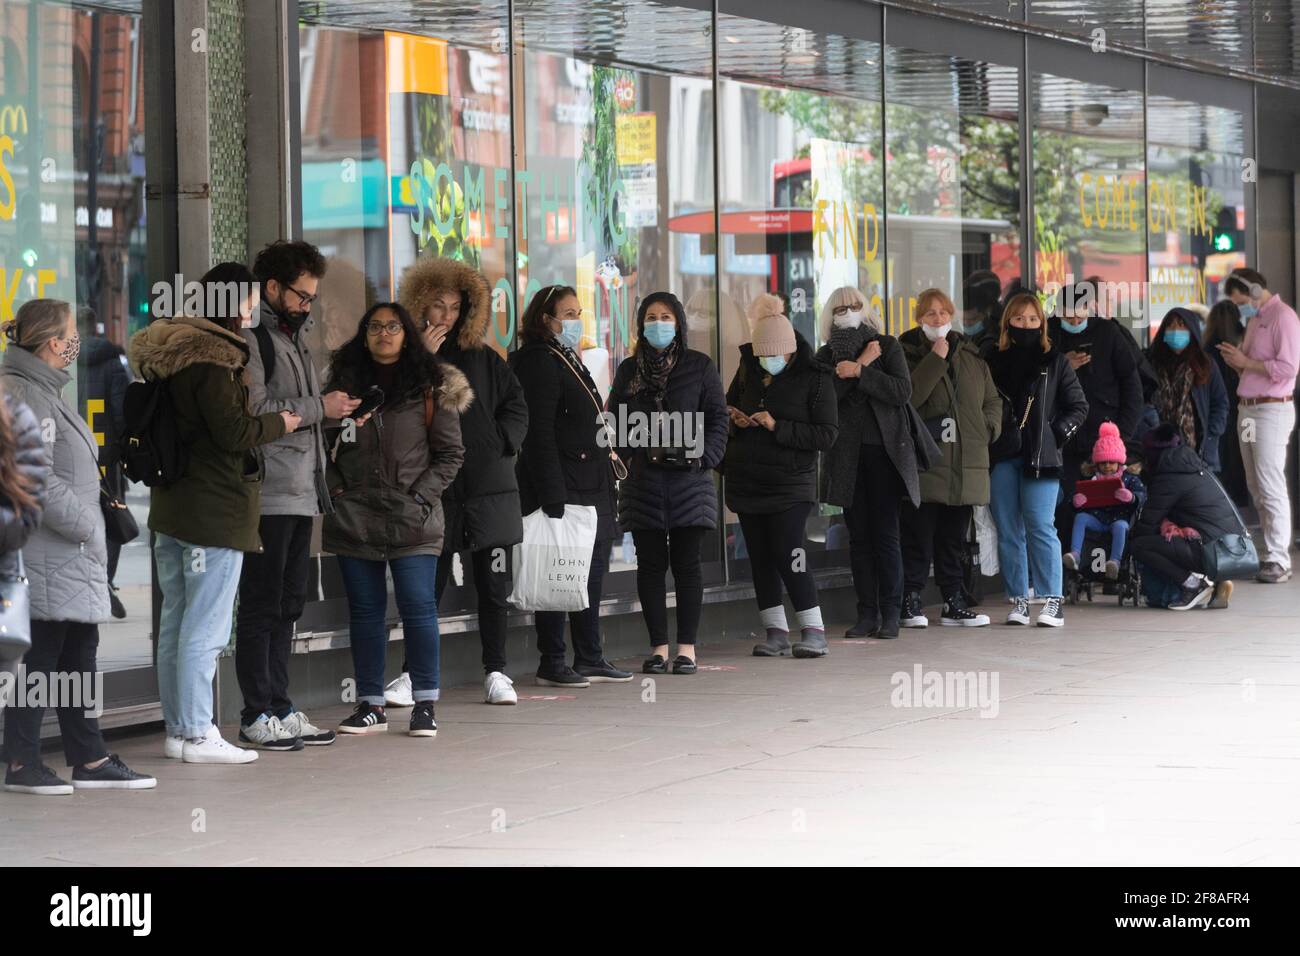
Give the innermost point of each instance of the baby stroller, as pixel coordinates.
(1090, 575)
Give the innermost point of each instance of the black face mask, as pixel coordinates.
(1026, 338)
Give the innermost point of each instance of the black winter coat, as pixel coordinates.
(102, 375)
(883, 389)
(1110, 380)
(1182, 489)
(483, 501)
(562, 460)
(1059, 408)
(31, 462)
(654, 498)
(770, 471)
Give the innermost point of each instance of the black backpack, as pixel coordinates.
(266, 350)
(152, 451)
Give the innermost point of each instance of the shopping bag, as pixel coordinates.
(986, 533)
(553, 560)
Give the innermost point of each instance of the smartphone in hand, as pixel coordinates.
(371, 399)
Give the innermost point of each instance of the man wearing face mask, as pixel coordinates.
(1266, 361)
(273, 582)
(1107, 369)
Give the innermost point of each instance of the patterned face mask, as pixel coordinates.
(71, 350)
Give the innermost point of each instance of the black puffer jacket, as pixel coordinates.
(1110, 380)
(482, 504)
(1059, 408)
(771, 471)
(1182, 489)
(562, 460)
(30, 462)
(655, 498)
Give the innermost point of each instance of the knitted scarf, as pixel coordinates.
(1173, 402)
(653, 366)
(847, 344)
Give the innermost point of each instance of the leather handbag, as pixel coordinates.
(1231, 555)
(119, 524)
(15, 617)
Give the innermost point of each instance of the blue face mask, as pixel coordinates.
(659, 334)
(571, 332)
(1177, 339)
(1247, 311)
(973, 328)
(773, 364)
(1074, 328)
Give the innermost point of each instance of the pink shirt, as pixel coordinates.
(1272, 337)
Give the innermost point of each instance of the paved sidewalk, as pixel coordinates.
(1128, 737)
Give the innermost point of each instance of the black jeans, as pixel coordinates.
(1172, 560)
(656, 551)
(772, 541)
(58, 647)
(583, 625)
(875, 554)
(272, 593)
(493, 589)
(934, 532)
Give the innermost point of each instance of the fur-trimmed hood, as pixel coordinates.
(454, 393)
(424, 278)
(168, 346)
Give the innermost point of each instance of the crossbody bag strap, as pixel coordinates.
(1241, 522)
(620, 469)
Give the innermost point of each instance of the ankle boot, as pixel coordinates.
(811, 643)
(777, 644)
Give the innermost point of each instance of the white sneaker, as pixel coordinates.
(1020, 613)
(302, 728)
(267, 733)
(499, 689)
(173, 747)
(398, 693)
(1051, 614)
(213, 748)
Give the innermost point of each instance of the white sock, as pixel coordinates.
(1193, 580)
(812, 617)
(773, 618)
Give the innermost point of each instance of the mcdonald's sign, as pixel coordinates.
(13, 119)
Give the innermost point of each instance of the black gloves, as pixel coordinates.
(555, 510)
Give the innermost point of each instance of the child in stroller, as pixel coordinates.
(1113, 518)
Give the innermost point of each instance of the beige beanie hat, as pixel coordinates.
(773, 335)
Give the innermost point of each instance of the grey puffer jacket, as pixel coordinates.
(66, 558)
(294, 482)
(29, 461)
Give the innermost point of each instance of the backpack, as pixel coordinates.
(152, 451)
(266, 350)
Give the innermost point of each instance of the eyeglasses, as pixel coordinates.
(846, 309)
(376, 328)
(303, 297)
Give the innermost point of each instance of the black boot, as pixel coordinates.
(889, 621)
(868, 621)
(777, 644)
(811, 643)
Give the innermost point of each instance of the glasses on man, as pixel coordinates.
(385, 328)
(840, 310)
(303, 297)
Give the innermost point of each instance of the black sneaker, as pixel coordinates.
(956, 614)
(1201, 593)
(913, 611)
(422, 722)
(38, 779)
(366, 719)
(603, 673)
(112, 774)
(115, 604)
(561, 675)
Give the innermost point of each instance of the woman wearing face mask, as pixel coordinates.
(1044, 406)
(65, 560)
(1189, 392)
(953, 391)
(871, 468)
(783, 412)
(204, 522)
(669, 500)
(566, 460)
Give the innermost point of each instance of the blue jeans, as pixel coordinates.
(417, 603)
(1024, 511)
(198, 586)
(1085, 522)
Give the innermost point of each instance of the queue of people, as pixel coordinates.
(423, 442)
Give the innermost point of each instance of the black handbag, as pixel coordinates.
(15, 617)
(1232, 555)
(119, 524)
(927, 449)
(1010, 440)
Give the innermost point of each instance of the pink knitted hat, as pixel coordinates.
(1109, 446)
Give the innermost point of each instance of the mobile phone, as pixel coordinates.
(737, 411)
(371, 399)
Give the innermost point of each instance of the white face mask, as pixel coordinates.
(936, 332)
(849, 320)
